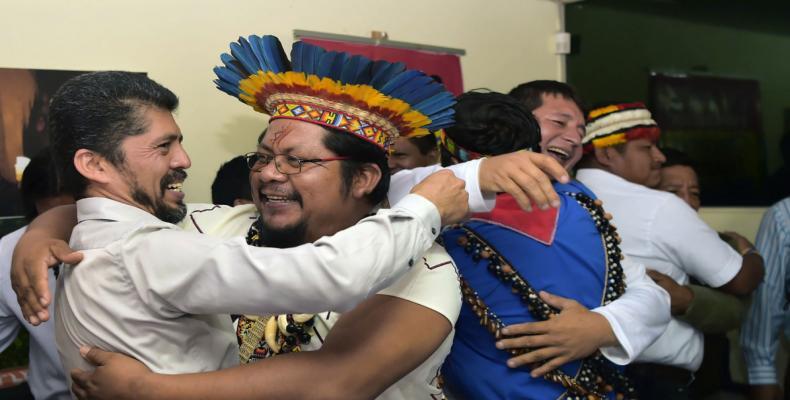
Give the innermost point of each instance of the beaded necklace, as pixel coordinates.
(274, 334)
(596, 376)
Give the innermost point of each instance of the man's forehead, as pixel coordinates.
(289, 134)
(557, 103)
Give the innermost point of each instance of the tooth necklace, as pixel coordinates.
(265, 336)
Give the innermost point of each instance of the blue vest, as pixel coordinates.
(572, 264)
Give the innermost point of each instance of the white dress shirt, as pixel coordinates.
(638, 317)
(45, 374)
(157, 293)
(431, 283)
(662, 232)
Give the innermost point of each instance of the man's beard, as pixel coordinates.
(281, 238)
(159, 209)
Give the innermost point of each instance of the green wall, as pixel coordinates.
(617, 46)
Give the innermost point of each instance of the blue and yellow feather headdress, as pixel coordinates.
(375, 100)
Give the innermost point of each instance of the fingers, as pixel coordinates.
(515, 190)
(80, 380)
(95, 355)
(538, 171)
(558, 302)
(550, 365)
(654, 275)
(537, 186)
(30, 304)
(551, 167)
(19, 283)
(526, 341)
(64, 254)
(533, 174)
(539, 355)
(527, 328)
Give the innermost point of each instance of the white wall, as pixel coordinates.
(743, 220)
(177, 42)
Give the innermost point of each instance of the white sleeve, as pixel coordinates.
(186, 223)
(182, 272)
(638, 317)
(402, 182)
(688, 242)
(433, 284)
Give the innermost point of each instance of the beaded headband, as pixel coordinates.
(377, 101)
(619, 123)
(456, 150)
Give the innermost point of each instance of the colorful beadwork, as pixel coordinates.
(265, 336)
(596, 377)
(619, 123)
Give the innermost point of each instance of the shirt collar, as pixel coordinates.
(102, 208)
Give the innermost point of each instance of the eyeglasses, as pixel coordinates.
(286, 164)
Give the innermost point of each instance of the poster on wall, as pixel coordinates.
(24, 109)
(716, 121)
(446, 67)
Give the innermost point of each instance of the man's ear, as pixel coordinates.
(92, 166)
(365, 180)
(605, 155)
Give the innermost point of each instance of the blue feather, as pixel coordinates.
(384, 71)
(318, 52)
(442, 119)
(225, 85)
(365, 72)
(305, 57)
(403, 92)
(275, 54)
(240, 54)
(421, 93)
(258, 53)
(296, 56)
(325, 64)
(250, 54)
(233, 65)
(399, 80)
(349, 70)
(435, 104)
(337, 66)
(228, 75)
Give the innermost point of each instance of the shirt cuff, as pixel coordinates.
(479, 201)
(617, 354)
(423, 210)
(762, 375)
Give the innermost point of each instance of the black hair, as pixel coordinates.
(360, 152)
(531, 93)
(260, 137)
(232, 182)
(96, 111)
(425, 144)
(492, 123)
(677, 157)
(38, 182)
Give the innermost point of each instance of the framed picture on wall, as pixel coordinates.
(716, 121)
(24, 109)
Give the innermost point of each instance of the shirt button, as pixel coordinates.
(411, 263)
(433, 231)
